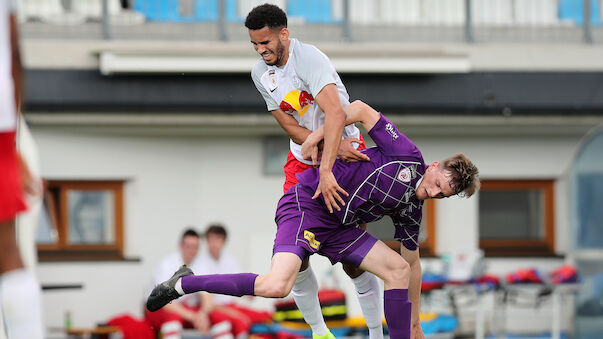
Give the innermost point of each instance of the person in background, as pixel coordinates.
(187, 312)
(19, 290)
(222, 307)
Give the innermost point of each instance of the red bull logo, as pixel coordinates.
(297, 101)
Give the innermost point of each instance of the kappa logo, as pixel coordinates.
(315, 244)
(404, 175)
(390, 129)
(297, 101)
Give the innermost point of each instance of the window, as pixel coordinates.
(275, 155)
(516, 217)
(384, 231)
(81, 220)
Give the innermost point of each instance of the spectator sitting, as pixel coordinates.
(185, 312)
(222, 307)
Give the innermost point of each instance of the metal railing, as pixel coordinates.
(551, 21)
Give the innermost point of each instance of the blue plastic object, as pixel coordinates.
(311, 11)
(202, 10)
(573, 10)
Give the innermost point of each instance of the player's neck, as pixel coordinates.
(287, 45)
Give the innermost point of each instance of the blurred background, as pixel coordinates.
(146, 120)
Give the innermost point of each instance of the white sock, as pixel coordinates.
(171, 330)
(20, 297)
(305, 293)
(221, 330)
(178, 287)
(367, 290)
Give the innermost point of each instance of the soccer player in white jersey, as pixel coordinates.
(304, 92)
(19, 290)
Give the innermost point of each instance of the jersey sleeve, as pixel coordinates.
(391, 141)
(315, 69)
(407, 226)
(271, 105)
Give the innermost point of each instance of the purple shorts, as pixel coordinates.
(305, 226)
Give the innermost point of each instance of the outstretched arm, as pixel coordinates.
(414, 290)
(357, 111)
(328, 100)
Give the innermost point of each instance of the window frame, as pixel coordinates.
(523, 247)
(58, 212)
(427, 248)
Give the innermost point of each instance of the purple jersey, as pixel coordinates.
(385, 185)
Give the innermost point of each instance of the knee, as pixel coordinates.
(278, 289)
(398, 273)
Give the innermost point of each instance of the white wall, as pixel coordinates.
(175, 181)
(172, 183)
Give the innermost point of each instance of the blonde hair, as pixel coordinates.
(463, 174)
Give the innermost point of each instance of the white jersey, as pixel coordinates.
(166, 269)
(294, 86)
(8, 116)
(224, 265)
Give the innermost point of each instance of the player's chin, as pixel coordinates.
(271, 62)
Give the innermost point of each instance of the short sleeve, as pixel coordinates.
(391, 141)
(314, 68)
(271, 105)
(407, 226)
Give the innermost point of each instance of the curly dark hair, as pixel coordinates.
(463, 174)
(266, 15)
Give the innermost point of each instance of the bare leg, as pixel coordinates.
(279, 281)
(367, 291)
(276, 284)
(395, 272)
(10, 258)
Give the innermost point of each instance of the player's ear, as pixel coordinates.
(283, 34)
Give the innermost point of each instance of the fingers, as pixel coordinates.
(315, 156)
(332, 197)
(317, 193)
(357, 156)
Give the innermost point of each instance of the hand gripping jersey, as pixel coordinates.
(385, 185)
(294, 86)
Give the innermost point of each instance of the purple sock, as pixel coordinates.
(397, 313)
(231, 284)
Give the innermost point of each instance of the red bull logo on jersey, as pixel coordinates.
(315, 244)
(297, 101)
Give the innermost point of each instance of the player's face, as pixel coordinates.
(189, 248)
(435, 183)
(215, 243)
(270, 45)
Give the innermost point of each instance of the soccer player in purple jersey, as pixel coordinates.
(395, 182)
